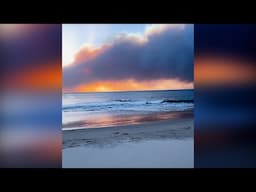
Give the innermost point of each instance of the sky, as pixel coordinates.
(75, 36)
(126, 57)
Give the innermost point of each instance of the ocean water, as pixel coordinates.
(106, 109)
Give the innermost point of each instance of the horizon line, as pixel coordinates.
(128, 91)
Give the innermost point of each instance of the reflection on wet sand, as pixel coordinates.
(106, 120)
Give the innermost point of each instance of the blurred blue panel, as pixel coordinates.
(31, 96)
(225, 114)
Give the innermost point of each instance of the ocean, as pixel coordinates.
(107, 109)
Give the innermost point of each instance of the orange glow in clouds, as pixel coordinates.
(86, 53)
(90, 52)
(133, 85)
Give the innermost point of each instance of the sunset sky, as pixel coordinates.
(123, 57)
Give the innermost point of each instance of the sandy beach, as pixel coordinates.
(165, 129)
(165, 143)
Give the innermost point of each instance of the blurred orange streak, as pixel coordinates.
(221, 70)
(130, 84)
(43, 77)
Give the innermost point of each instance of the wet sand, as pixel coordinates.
(158, 130)
(107, 120)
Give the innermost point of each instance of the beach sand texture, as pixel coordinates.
(160, 144)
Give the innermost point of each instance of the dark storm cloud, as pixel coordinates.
(166, 54)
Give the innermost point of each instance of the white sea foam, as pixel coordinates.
(146, 106)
